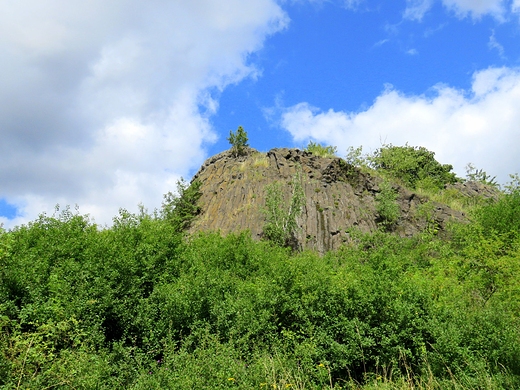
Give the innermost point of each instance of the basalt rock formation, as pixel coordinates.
(338, 197)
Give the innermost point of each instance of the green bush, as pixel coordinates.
(356, 157)
(139, 305)
(411, 165)
(321, 151)
(501, 217)
(282, 213)
(474, 174)
(387, 206)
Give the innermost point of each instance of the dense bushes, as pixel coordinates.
(181, 207)
(139, 306)
(415, 166)
(502, 217)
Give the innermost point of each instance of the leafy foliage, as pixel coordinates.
(514, 185)
(140, 306)
(415, 166)
(474, 174)
(180, 208)
(281, 224)
(238, 141)
(501, 218)
(387, 206)
(320, 150)
(356, 157)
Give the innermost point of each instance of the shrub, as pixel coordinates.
(321, 151)
(356, 157)
(501, 217)
(281, 224)
(387, 206)
(474, 174)
(411, 165)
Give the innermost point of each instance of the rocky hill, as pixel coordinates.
(338, 197)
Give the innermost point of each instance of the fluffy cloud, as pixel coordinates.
(416, 9)
(479, 126)
(106, 105)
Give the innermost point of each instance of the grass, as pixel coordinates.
(260, 160)
(254, 166)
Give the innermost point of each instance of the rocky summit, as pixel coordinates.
(338, 197)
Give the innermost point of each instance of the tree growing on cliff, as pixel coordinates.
(180, 208)
(238, 141)
(281, 224)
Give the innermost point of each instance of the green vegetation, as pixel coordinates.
(260, 160)
(414, 166)
(140, 305)
(238, 141)
(355, 157)
(321, 151)
(474, 174)
(180, 208)
(387, 206)
(281, 224)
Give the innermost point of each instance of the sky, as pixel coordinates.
(106, 105)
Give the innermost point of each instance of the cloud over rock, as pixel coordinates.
(478, 126)
(105, 105)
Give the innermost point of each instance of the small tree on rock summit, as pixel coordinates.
(238, 141)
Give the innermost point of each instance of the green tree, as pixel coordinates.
(181, 208)
(238, 141)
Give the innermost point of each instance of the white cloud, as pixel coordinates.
(476, 8)
(106, 104)
(416, 9)
(481, 126)
(493, 44)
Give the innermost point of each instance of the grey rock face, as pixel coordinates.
(474, 189)
(338, 197)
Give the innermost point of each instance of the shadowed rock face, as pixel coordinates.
(338, 197)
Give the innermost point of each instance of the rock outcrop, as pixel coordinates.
(475, 189)
(338, 197)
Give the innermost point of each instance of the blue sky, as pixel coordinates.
(341, 58)
(108, 106)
